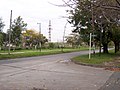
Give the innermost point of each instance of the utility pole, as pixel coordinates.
(40, 35)
(10, 32)
(50, 30)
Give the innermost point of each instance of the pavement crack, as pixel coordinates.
(22, 70)
(18, 73)
(27, 69)
(13, 66)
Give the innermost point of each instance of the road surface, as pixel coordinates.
(51, 72)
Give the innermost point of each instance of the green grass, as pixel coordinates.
(25, 54)
(31, 53)
(96, 59)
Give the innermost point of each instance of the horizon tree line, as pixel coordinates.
(20, 36)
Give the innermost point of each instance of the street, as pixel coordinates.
(51, 72)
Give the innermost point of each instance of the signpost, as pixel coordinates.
(90, 46)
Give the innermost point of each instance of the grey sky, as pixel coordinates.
(37, 11)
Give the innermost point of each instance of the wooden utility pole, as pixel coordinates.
(10, 32)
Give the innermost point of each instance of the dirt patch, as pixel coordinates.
(113, 69)
(114, 65)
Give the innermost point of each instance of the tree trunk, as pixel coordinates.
(116, 47)
(119, 47)
(105, 48)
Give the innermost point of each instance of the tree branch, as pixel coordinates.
(68, 4)
(118, 2)
(110, 7)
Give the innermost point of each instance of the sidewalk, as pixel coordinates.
(12, 53)
(113, 83)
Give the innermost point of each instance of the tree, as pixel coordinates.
(1, 25)
(74, 40)
(51, 45)
(1, 33)
(1, 39)
(17, 27)
(116, 37)
(109, 4)
(92, 16)
(109, 18)
(32, 38)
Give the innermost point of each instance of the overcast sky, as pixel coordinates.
(37, 11)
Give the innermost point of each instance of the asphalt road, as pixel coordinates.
(52, 72)
(113, 83)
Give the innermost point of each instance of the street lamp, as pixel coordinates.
(64, 35)
(39, 35)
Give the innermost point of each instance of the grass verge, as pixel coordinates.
(110, 59)
(31, 53)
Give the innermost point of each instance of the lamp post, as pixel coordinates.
(39, 35)
(64, 35)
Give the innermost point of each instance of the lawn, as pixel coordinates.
(31, 53)
(103, 60)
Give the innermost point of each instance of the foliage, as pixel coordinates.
(2, 38)
(1, 24)
(74, 40)
(81, 18)
(32, 38)
(115, 37)
(51, 45)
(94, 16)
(17, 27)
